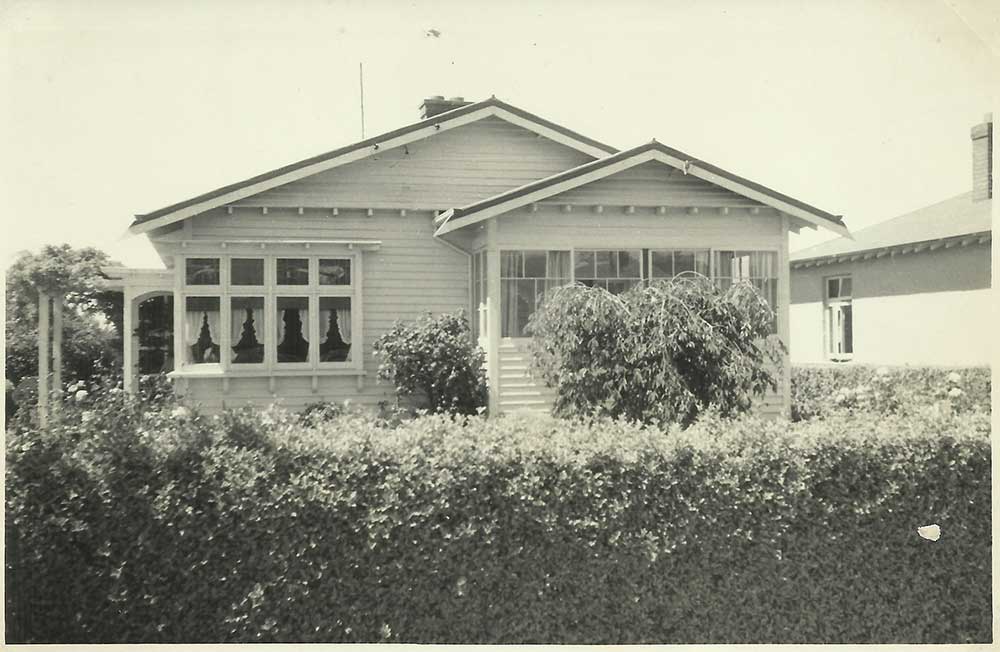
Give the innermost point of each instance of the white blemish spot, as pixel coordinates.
(930, 532)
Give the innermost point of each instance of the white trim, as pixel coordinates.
(432, 127)
(449, 223)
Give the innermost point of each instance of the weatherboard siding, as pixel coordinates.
(409, 275)
(451, 169)
(652, 184)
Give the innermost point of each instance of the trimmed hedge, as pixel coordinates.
(819, 391)
(157, 525)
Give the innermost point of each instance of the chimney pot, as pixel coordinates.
(436, 104)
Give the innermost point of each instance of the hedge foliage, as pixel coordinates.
(659, 353)
(131, 522)
(821, 391)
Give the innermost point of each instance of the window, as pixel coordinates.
(838, 318)
(292, 271)
(334, 271)
(335, 329)
(757, 267)
(525, 276)
(292, 322)
(244, 313)
(202, 330)
(615, 271)
(246, 271)
(247, 330)
(675, 262)
(201, 271)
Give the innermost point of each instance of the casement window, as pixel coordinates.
(614, 270)
(525, 276)
(838, 317)
(246, 313)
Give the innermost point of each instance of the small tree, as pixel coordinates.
(656, 354)
(91, 321)
(435, 357)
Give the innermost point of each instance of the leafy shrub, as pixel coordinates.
(434, 357)
(142, 526)
(656, 354)
(822, 391)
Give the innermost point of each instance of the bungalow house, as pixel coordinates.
(911, 290)
(276, 286)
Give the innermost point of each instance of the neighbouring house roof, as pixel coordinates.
(398, 137)
(457, 218)
(951, 218)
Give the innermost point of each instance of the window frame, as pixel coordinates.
(830, 304)
(270, 292)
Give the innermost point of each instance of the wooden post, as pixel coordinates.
(43, 358)
(128, 341)
(493, 314)
(785, 307)
(57, 333)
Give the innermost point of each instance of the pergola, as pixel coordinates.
(137, 285)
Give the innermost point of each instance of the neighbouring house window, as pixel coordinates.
(202, 335)
(246, 271)
(525, 276)
(668, 263)
(839, 318)
(201, 271)
(477, 318)
(247, 330)
(335, 329)
(292, 271)
(615, 271)
(292, 322)
(757, 267)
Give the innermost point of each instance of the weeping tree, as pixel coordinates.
(92, 317)
(656, 354)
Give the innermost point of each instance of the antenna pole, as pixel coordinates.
(361, 79)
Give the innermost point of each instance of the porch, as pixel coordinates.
(147, 320)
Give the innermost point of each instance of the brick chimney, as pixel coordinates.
(982, 159)
(436, 104)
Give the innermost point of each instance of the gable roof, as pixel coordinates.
(952, 217)
(457, 218)
(356, 151)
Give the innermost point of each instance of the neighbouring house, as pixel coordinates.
(911, 290)
(275, 287)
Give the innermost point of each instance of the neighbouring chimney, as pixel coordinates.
(982, 159)
(436, 104)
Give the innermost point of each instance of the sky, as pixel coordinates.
(115, 108)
